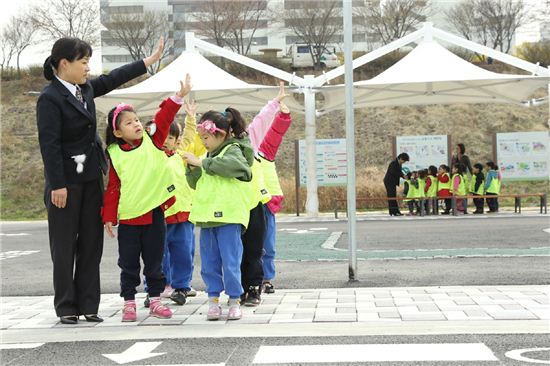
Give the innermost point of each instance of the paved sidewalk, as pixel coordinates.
(466, 304)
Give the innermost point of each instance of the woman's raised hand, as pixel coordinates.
(155, 56)
(282, 94)
(185, 87)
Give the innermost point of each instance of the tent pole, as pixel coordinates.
(350, 140)
(312, 200)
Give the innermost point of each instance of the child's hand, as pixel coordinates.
(109, 229)
(282, 95)
(191, 158)
(185, 87)
(283, 108)
(190, 107)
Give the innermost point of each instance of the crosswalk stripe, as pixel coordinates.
(374, 353)
(20, 345)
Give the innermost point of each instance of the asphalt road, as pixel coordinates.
(30, 273)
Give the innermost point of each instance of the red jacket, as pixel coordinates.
(163, 119)
(269, 147)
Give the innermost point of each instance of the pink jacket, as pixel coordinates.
(269, 147)
(261, 123)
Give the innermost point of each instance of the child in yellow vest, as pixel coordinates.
(221, 206)
(492, 186)
(140, 188)
(459, 186)
(431, 190)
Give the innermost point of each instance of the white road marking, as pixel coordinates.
(546, 230)
(136, 352)
(374, 353)
(20, 345)
(517, 355)
(18, 234)
(331, 241)
(318, 229)
(16, 253)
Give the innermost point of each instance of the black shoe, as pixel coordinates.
(68, 319)
(93, 318)
(243, 298)
(147, 301)
(445, 213)
(253, 297)
(179, 296)
(267, 287)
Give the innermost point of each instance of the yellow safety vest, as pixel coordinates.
(221, 199)
(494, 186)
(461, 191)
(449, 185)
(184, 193)
(145, 180)
(270, 177)
(421, 186)
(259, 193)
(473, 186)
(432, 191)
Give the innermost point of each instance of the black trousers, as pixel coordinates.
(76, 246)
(391, 191)
(492, 202)
(252, 273)
(478, 202)
(147, 242)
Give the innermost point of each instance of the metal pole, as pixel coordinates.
(350, 139)
(312, 200)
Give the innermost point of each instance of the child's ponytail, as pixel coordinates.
(236, 121)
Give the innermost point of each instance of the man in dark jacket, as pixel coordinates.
(391, 181)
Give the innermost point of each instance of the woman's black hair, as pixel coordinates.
(230, 121)
(478, 166)
(445, 167)
(175, 130)
(65, 48)
(432, 170)
(403, 156)
(110, 137)
(462, 148)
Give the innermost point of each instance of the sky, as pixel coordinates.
(37, 54)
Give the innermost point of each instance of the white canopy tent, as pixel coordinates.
(431, 74)
(213, 88)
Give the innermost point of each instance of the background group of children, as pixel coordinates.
(428, 186)
(218, 175)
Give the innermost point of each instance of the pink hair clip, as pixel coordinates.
(209, 126)
(121, 107)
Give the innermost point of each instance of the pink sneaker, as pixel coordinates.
(234, 312)
(214, 313)
(129, 311)
(158, 310)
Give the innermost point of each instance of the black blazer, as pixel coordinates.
(393, 174)
(66, 128)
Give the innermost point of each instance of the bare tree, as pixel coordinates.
(392, 19)
(7, 47)
(492, 23)
(229, 23)
(67, 18)
(138, 33)
(21, 34)
(315, 23)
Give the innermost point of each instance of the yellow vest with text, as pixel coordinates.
(145, 180)
(184, 193)
(221, 199)
(259, 193)
(461, 190)
(270, 177)
(449, 185)
(432, 191)
(473, 186)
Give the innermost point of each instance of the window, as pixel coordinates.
(302, 49)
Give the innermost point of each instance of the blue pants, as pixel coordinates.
(178, 255)
(146, 241)
(269, 245)
(221, 254)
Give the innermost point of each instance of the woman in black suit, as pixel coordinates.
(74, 161)
(391, 181)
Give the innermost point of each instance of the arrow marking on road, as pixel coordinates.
(139, 351)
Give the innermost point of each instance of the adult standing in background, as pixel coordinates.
(462, 158)
(73, 157)
(391, 182)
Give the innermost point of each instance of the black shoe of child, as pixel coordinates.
(445, 213)
(146, 302)
(267, 287)
(253, 297)
(178, 296)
